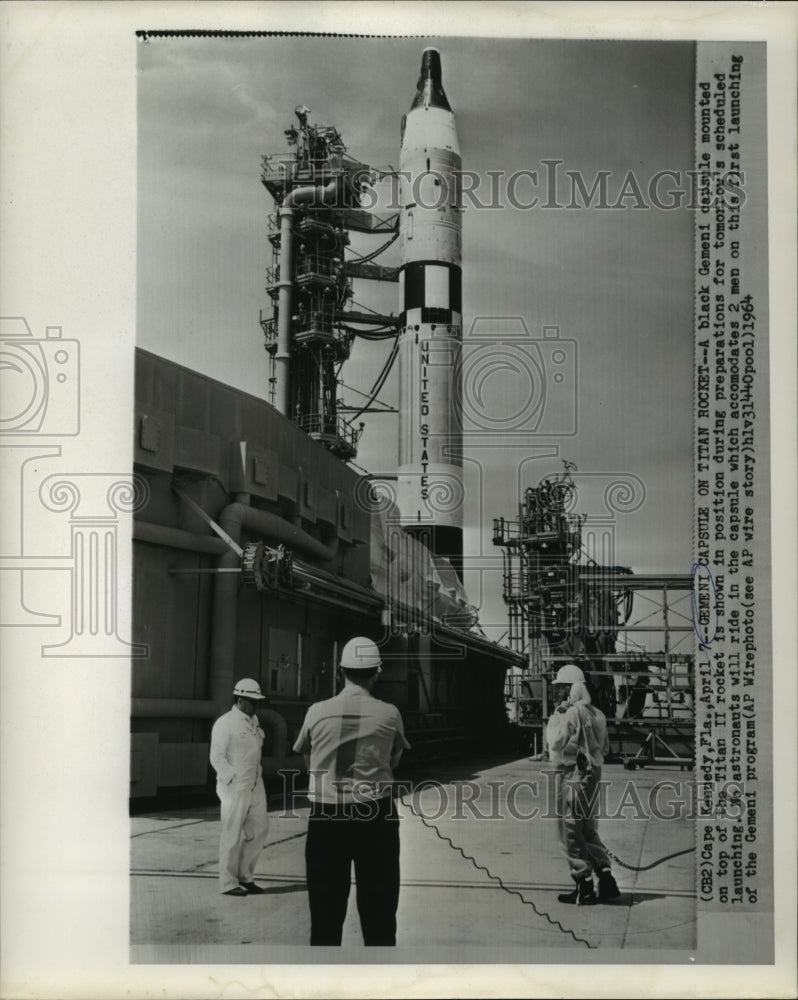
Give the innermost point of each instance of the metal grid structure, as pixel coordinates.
(320, 276)
(627, 632)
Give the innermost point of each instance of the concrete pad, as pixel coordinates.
(179, 848)
(190, 910)
(450, 908)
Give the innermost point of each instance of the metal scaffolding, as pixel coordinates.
(630, 634)
(319, 276)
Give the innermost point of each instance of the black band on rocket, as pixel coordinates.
(421, 292)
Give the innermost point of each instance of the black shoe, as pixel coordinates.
(607, 887)
(583, 895)
(253, 888)
(569, 897)
(238, 891)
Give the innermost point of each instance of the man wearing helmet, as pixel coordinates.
(236, 743)
(577, 738)
(352, 743)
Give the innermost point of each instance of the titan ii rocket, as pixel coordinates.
(429, 477)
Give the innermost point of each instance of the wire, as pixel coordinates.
(359, 468)
(385, 333)
(654, 864)
(381, 379)
(351, 388)
(496, 878)
(364, 258)
(628, 599)
(638, 647)
(362, 305)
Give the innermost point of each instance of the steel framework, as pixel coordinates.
(321, 327)
(628, 633)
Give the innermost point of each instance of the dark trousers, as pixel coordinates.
(367, 834)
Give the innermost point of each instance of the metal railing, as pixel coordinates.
(277, 167)
(309, 326)
(283, 167)
(314, 266)
(317, 321)
(269, 327)
(329, 426)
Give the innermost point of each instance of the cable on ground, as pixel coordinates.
(645, 868)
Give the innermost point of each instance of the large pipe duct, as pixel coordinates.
(233, 519)
(272, 527)
(184, 708)
(176, 538)
(172, 708)
(311, 195)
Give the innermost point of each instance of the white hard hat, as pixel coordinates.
(360, 654)
(247, 688)
(569, 674)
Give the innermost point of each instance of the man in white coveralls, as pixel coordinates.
(236, 745)
(577, 738)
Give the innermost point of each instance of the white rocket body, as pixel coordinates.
(430, 491)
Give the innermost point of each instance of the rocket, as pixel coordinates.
(429, 477)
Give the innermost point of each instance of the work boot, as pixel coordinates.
(583, 895)
(607, 887)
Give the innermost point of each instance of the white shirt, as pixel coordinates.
(354, 741)
(236, 743)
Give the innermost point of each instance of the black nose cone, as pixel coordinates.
(430, 92)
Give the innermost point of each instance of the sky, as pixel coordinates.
(616, 282)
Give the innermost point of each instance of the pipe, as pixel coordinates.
(355, 596)
(172, 708)
(320, 195)
(275, 528)
(224, 619)
(282, 356)
(180, 708)
(271, 526)
(350, 604)
(338, 586)
(233, 519)
(176, 538)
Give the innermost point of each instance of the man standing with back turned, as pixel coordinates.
(352, 743)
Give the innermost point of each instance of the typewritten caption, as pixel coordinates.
(730, 578)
